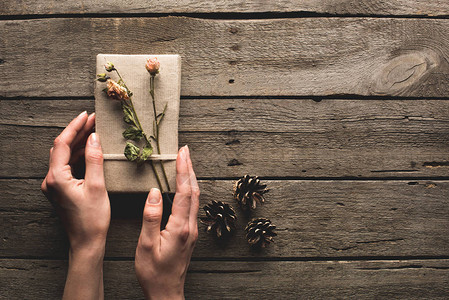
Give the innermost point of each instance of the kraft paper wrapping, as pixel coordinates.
(123, 175)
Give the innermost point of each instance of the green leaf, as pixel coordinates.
(128, 120)
(146, 152)
(133, 133)
(131, 151)
(102, 77)
(128, 114)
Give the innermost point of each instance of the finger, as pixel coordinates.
(150, 235)
(94, 176)
(61, 152)
(181, 202)
(193, 219)
(44, 187)
(81, 138)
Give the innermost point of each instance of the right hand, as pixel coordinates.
(162, 257)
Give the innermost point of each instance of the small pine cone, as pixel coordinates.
(259, 232)
(248, 191)
(220, 218)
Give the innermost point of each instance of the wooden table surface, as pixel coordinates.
(342, 107)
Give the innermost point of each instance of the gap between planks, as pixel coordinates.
(222, 16)
(316, 98)
(258, 259)
(412, 180)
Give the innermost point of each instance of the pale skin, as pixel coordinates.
(162, 257)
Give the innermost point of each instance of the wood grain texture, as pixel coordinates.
(267, 137)
(313, 218)
(255, 114)
(365, 7)
(414, 279)
(306, 56)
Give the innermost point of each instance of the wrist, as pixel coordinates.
(87, 246)
(164, 295)
(91, 252)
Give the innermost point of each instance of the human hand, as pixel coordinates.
(162, 257)
(82, 204)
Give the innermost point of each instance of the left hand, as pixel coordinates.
(82, 204)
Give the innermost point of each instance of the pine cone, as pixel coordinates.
(220, 218)
(248, 191)
(259, 232)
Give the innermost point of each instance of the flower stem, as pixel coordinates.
(156, 173)
(139, 125)
(157, 176)
(156, 123)
(120, 76)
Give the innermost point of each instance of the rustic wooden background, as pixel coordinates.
(342, 107)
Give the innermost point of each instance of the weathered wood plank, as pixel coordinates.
(314, 219)
(411, 279)
(307, 56)
(377, 7)
(230, 154)
(258, 114)
(268, 137)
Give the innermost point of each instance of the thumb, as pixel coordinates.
(152, 215)
(94, 162)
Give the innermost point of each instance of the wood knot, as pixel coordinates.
(234, 162)
(233, 30)
(235, 47)
(403, 72)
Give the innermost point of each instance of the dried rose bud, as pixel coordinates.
(153, 65)
(116, 91)
(109, 66)
(102, 77)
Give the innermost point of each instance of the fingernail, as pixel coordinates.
(94, 140)
(183, 154)
(187, 151)
(82, 114)
(154, 196)
(91, 115)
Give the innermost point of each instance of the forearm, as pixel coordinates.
(85, 275)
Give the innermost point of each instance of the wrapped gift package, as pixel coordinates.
(122, 175)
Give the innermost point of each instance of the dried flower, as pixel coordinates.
(134, 134)
(109, 66)
(102, 77)
(116, 91)
(153, 65)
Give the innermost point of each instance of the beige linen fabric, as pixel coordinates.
(122, 175)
